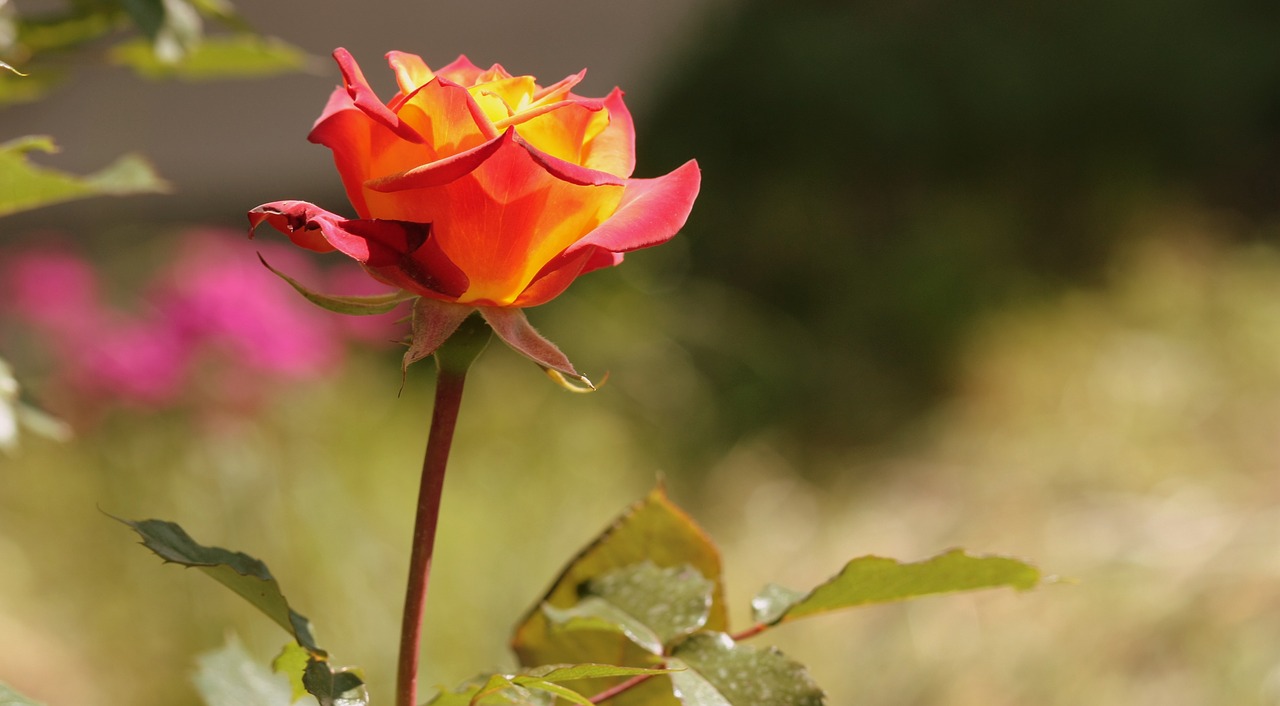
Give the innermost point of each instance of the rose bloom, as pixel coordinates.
(480, 188)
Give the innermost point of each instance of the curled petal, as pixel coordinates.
(400, 253)
(461, 70)
(436, 173)
(364, 99)
(613, 150)
(651, 212)
(410, 70)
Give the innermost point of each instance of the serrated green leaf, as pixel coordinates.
(238, 571)
(654, 530)
(24, 185)
(9, 697)
(292, 663)
(873, 579)
(344, 304)
(251, 579)
(239, 55)
(718, 672)
(230, 676)
(651, 606)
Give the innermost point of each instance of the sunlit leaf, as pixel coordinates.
(292, 664)
(574, 672)
(230, 676)
(64, 31)
(651, 606)
(718, 672)
(353, 305)
(27, 89)
(24, 185)
(9, 697)
(873, 579)
(654, 530)
(237, 55)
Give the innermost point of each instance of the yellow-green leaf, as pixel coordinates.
(238, 55)
(873, 579)
(654, 530)
(24, 185)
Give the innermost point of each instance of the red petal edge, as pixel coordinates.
(651, 212)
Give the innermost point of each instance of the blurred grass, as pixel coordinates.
(1121, 435)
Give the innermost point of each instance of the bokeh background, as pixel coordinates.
(1002, 276)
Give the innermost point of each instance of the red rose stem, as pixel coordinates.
(452, 360)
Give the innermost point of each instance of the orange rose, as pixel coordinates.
(474, 187)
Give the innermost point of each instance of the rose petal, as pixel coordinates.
(614, 149)
(363, 146)
(461, 70)
(363, 97)
(505, 220)
(411, 71)
(400, 253)
(651, 212)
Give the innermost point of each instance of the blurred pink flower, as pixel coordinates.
(52, 287)
(219, 295)
(214, 326)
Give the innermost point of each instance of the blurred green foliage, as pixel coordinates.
(155, 38)
(881, 174)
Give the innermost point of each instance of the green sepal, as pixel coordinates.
(873, 579)
(345, 304)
